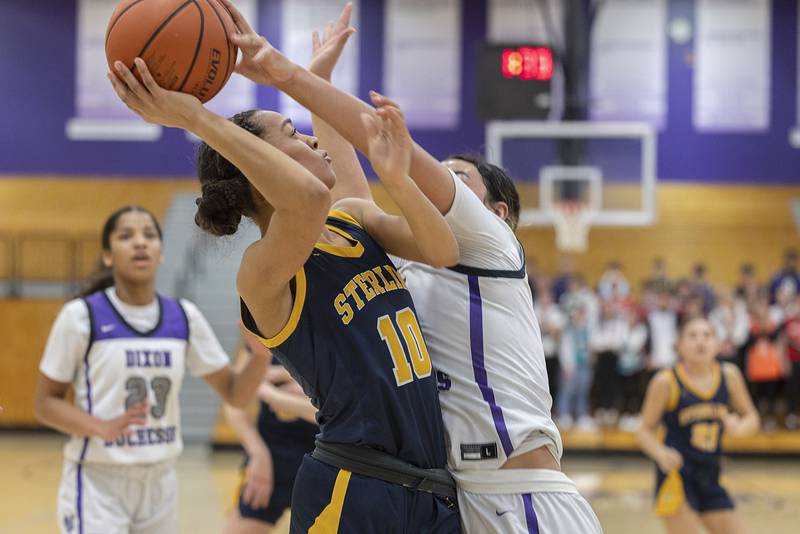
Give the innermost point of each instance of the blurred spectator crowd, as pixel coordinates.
(603, 344)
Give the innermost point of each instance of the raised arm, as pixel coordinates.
(421, 234)
(350, 179)
(262, 63)
(299, 200)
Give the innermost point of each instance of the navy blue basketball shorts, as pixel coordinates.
(696, 484)
(286, 459)
(328, 500)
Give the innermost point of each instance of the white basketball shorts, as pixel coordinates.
(522, 501)
(117, 499)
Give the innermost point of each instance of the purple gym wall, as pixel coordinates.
(37, 58)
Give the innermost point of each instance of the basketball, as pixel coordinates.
(184, 43)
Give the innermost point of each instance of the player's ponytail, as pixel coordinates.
(102, 279)
(226, 193)
(104, 276)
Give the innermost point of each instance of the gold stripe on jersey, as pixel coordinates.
(674, 391)
(354, 250)
(703, 395)
(341, 215)
(294, 316)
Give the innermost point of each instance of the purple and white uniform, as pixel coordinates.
(116, 355)
(485, 343)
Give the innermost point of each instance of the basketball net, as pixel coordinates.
(572, 221)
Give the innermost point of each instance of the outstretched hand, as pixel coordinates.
(325, 53)
(389, 142)
(149, 100)
(261, 62)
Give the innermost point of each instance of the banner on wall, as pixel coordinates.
(794, 133)
(525, 21)
(627, 78)
(732, 65)
(299, 18)
(422, 60)
(99, 114)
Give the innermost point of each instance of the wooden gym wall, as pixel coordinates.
(720, 225)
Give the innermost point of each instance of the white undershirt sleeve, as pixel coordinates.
(67, 342)
(205, 355)
(485, 241)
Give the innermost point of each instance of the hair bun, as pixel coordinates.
(226, 193)
(219, 209)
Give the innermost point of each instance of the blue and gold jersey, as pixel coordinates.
(694, 418)
(354, 344)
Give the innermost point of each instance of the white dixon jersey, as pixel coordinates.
(485, 342)
(116, 355)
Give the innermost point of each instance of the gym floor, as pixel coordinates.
(619, 488)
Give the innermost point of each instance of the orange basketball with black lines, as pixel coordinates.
(184, 42)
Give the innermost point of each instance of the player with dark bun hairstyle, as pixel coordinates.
(320, 291)
(226, 194)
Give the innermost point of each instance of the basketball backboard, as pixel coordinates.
(611, 167)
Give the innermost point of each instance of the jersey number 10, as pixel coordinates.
(417, 351)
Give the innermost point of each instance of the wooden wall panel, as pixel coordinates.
(24, 326)
(722, 226)
(81, 205)
(44, 209)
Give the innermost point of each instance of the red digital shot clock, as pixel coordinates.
(512, 80)
(527, 63)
